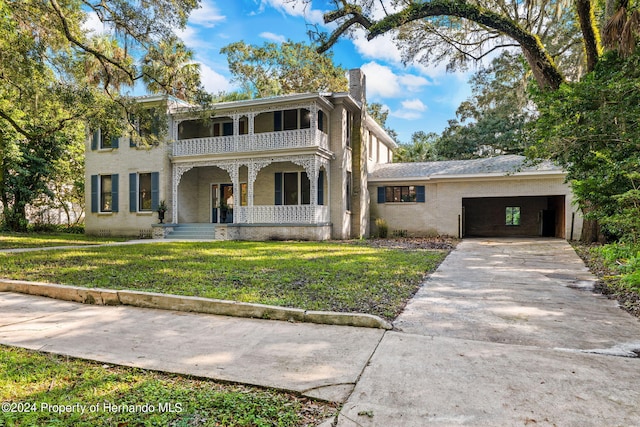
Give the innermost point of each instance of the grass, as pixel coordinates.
(43, 389)
(618, 267)
(41, 240)
(309, 275)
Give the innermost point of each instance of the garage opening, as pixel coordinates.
(513, 216)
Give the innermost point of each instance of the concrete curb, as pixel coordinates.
(99, 296)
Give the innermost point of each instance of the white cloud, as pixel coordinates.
(207, 15)
(213, 81)
(414, 105)
(410, 109)
(381, 81)
(413, 82)
(382, 48)
(287, 7)
(94, 25)
(278, 38)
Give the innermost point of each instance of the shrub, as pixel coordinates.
(382, 228)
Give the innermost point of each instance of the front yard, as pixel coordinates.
(38, 389)
(334, 276)
(41, 240)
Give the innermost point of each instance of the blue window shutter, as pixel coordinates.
(95, 139)
(278, 193)
(321, 188)
(94, 193)
(277, 121)
(133, 192)
(381, 195)
(114, 192)
(115, 142)
(420, 197)
(155, 190)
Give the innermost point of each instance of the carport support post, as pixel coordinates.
(573, 220)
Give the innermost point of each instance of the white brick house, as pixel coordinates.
(307, 166)
(292, 166)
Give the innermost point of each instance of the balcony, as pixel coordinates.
(269, 141)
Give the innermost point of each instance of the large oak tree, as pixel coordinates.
(56, 78)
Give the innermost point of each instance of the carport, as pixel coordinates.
(514, 216)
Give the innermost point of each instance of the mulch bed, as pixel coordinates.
(412, 243)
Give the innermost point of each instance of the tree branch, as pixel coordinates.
(545, 71)
(78, 43)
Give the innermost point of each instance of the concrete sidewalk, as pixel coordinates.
(319, 361)
(505, 332)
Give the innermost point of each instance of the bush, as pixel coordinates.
(382, 228)
(56, 228)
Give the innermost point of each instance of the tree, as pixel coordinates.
(493, 120)
(56, 79)
(462, 30)
(380, 113)
(591, 128)
(421, 149)
(278, 69)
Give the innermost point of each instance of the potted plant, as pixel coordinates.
(162, 208)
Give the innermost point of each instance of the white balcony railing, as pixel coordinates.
(286, 214)
(248, 143)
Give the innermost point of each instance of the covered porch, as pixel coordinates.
(281, 191)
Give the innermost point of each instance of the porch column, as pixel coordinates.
(178, 171)
(254, 167)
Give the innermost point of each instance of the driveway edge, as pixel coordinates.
(110, 297)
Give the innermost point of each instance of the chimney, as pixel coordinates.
(358, 85)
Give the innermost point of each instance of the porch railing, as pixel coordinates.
(268, 141)
(286, 214)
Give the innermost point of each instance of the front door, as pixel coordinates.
(215, 203)
(226, 203)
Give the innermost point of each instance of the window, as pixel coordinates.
(349, 124)
(104, 193)
(100, 140)
(512, 214)
(290, 119)
(144, 192)
(305, 118)
(294, 188)
(401, 194)
(321, 121)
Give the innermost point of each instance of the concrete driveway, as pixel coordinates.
(506, 332)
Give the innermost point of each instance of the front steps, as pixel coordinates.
(193, 232)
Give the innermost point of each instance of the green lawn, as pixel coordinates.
(38, 389)
(40, 240)
(309, 275)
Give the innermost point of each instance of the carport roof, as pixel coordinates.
(496, 166)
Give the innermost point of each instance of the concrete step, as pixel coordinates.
(193, 232)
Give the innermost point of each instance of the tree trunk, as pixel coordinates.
(590, 36)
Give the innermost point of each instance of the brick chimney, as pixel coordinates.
(358, 85)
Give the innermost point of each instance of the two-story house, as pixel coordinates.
(285, 167)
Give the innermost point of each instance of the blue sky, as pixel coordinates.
(418, 97)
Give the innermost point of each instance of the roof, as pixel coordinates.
(492, 166)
